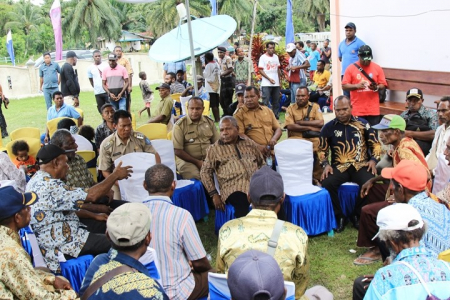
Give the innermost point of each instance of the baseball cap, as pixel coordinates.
(391, 121)
(128, 224)
(266, 182)
(365, 52)
(414, 92)
(240, 88)
(351, 25)
(49, 152)
(410, 174)
(290, 47)
(221, 49)
(308, 41)
(163, 86)
(13, 201)
(71, 54)
(112, 56)
(255, 273)
(397, 217)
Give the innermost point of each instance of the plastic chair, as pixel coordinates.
(53, 124)
(33, 143)
(133, 121)
(445, 255)
(20, 133)
(1, 146)
(176, 98)
(154, 131)
(151, 262)
(348, 192)
(205, 109)
(88, 156)
(80, 111)
(169, 135)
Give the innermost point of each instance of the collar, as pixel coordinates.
(309, 104)
(48, 64)
(127, 260)
(354, 40)
(166, 98)
(258, 213)
(63, 105)
(158, 198)
(118, 140)
(410, 252)
(238, 140)
(10, 233)
(352, 119)
(189, 121)
(421, 111)
(245, 108)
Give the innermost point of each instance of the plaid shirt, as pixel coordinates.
(101, 133)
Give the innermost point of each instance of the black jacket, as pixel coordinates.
(69, 81)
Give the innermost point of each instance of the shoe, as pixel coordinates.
(355, 222)
(341, 225)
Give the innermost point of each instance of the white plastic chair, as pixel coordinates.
(150, 261)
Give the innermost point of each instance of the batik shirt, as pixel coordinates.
(101, 133)
(18, 278)
(53, 218)
(353, 144)
(78, 175)
(241, 69)
(398, 281)
(429, 114)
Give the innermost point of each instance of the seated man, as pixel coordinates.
(355, 151)
(164, 109)
(107, 127)
(192, 135)
(128, 230)
(239, 91)
(304, 120)
(176, 86)
(414, 272)
(201, 91)
(321, 79)
(54, 219)
(421, 122)
(184, 266)
(233, 160)
(18, 278)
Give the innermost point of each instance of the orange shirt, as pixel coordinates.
(31, 161)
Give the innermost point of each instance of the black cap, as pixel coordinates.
(308, 41)
(365, 52)
(13, 201)
(71, 54)
(240, 88)
(414, 92)
(163, 86)
(222, 49)
(351, 25)
(49, 152)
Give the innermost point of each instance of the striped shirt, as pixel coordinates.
(233, 164)
(115, 78)
(176, 241)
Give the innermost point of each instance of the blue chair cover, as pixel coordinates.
(223, 216)
(25, 242)
(151, 267)
(193, 199)
(347, 198)
(312, 212)
(75, 269)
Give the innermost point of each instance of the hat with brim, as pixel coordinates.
(49, 152)
(12, 201)
(290, 47)
(410, 174)
(163, 86)
(391, 122)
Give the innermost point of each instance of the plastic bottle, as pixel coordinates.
(269, 161)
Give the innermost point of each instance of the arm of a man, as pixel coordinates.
(90, 77)
(70, 80)
(421, 135)
(373, 143)
(193, 247)
(178, 145)
(240, 121)
(207, 172)
(276, 131)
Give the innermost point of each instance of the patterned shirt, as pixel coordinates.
(350, 145)
(176, 241)
(8, 171)
(253, 232)
(296, 61)
(233, 164)
(128, 285)
(398, 281)
(78, 175)
(18, 278)
(53, 218)
(444, 196)
(429, 114)
(241, 70)
(408, 149)
(101, 133)
(176, 87)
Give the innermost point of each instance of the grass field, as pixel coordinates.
(331, 261)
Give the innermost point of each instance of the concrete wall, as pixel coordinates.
(25, 80)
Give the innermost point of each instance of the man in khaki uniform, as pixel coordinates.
(298, 121)
(192, 135)
(258, 122)
(121, 142)
(164, 109)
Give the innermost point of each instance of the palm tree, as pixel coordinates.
(315, 9)
(240, 10)
(27, 18)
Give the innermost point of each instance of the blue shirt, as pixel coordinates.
(398, 281)
(128, 285)
(313, 59)
(174, 66)
(49, 73)
(349, 53)
(64, 111)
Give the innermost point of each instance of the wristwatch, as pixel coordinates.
(324, 163)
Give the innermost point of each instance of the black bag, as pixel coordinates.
(310, 133)
(415, 122)
(381, 92)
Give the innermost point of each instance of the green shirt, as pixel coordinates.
(165, 108)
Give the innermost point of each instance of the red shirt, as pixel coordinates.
(365, 102)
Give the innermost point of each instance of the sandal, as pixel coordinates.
(369, 260)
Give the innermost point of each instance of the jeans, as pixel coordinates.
(48, 95)
(274, 93)
(121, 104)
(295, 86)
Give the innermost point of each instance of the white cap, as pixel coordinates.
(397, 217)
(290, 47)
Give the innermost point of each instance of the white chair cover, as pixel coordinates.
(295, 164)
(132, 189)
(37, 254)
(441, 174)
(167, 154)
(151, 256)
(183, 101)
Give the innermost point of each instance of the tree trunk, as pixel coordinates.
(321, 22)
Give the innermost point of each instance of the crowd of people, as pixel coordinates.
(400, 163)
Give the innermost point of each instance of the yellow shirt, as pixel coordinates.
(321, 79)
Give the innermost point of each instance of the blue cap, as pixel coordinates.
(12, 201)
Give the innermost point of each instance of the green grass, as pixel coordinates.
(331, 261)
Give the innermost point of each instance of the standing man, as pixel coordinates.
(313, 58)
(49, 78)
(269, 68)
(363, 80)
(226, 78)
(354, 150)
(348, 49)
(107, 127)
(212, 83)
(164, 109)
(70, 87)
(297, 66)
(304, 120)
(115, 83)
(192, 135)
(241, 69)
(124, 62)
(326, 54)
(95, 73)
(173, 67)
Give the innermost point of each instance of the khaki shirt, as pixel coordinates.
(125, 63)
(259, 124)
(165, 108)
(295, 113)
(194, 138)
(113, 148)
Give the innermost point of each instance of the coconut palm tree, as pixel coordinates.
(240, 10)
(316, 9)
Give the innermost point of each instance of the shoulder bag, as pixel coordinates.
(381, 92)
(310, 133)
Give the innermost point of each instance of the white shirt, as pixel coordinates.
(211, 72)
(438, 146)
(83, 143)
(95, 72)
(270, 66)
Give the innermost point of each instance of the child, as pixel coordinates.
(20, 149)
(147, 93)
